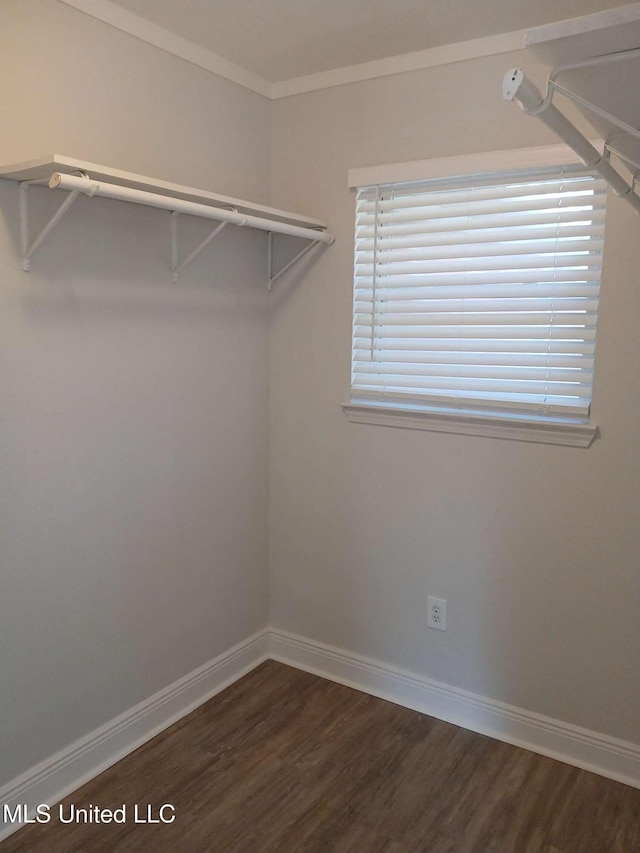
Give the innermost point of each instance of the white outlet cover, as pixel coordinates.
(437, 613)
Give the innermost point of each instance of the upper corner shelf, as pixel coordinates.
(606, 32)
(44, 167)
(595, 63)
(79, 176)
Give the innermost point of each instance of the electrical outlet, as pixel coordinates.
(437, 613)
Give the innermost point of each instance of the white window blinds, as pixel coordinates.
(479, 293)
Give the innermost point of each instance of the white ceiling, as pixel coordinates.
(284, 39)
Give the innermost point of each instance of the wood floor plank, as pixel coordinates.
(285, 762)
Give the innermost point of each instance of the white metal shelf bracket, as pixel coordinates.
(273, 277)
(28, 248)
(175, 266)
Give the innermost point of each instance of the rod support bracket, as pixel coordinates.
(516, 87)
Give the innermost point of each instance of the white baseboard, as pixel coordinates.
(607, 756)
(60, 775)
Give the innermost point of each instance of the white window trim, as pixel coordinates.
(466, 164)
(475, 424)
(488, 426)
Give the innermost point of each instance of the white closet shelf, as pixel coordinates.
(81, 177)
(609, 31)
(595, 63)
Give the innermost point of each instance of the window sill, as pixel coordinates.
(513, 428)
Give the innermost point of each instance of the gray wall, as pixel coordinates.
(536, 548)
(133, 412)
(137, 417)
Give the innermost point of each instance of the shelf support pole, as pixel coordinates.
(175, 266)
(27, 248)
(174, 246)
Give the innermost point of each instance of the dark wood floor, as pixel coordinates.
(285, 761)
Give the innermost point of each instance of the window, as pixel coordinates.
(476, 300)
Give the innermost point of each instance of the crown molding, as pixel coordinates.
(140, 28)
(134, 25)
(443, 55)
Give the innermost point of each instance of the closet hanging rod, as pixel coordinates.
(86, 185)
(516, 87)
